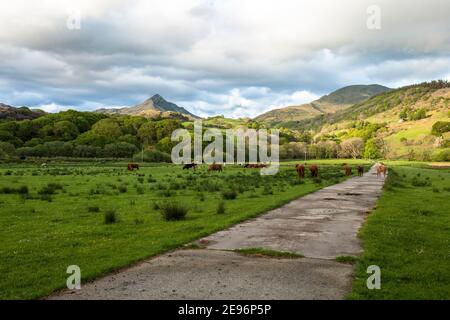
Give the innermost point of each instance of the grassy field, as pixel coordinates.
(408, 237)
(54, 217)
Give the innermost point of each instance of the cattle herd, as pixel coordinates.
(300, 168)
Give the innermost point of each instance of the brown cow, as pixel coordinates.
(300, 170)
(381, 169)
(215, 167)
(132, 166)
(314, 169)
(348, 170)
(360, 171)
(255, 165)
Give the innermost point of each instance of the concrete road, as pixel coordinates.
(321, 226)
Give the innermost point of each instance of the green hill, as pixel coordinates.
(403, 119)
(336, 101)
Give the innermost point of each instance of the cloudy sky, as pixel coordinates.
(231, 57)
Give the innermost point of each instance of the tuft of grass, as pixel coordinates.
(267, 190)
(50, 189)
(93, 209)
(166, 193)
(22, 190)
(347, 259)
(172, 211)
(46, 197)
(111, 216)
(229, 195)
(420, 183)
(220, 207)
(263, 252)
(140, 189)
(421, 212)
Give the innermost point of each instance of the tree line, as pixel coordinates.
(85, 134)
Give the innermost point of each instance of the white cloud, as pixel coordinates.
(52, 107)
(248, 102)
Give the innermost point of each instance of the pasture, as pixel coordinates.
(408, 236)
(102, 217)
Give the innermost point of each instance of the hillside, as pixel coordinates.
(154, 107)
(336, 101)
(403, 120)
(22, 113)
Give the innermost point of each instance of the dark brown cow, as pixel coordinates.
(190, 166)
(360, 171)
(348, 170)
(300, 170)
(314, 169)
(215, 167)
(132, 166)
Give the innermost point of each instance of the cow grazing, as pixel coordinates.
(360, 171)
(348, 170)
(255, 165)
(132, 166)
(190, 166)
(300, 170)
(215, 167)
(314, 169)
(381, 169)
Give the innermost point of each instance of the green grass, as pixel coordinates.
(41, 237)
(347, 259)
(263, 252)
(408, 237)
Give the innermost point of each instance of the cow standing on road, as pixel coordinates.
(360, 171)
(381, 169)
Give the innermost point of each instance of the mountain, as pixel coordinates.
(23, 113)
(336, 101)
(153, 107)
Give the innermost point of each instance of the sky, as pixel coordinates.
(238, 58)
